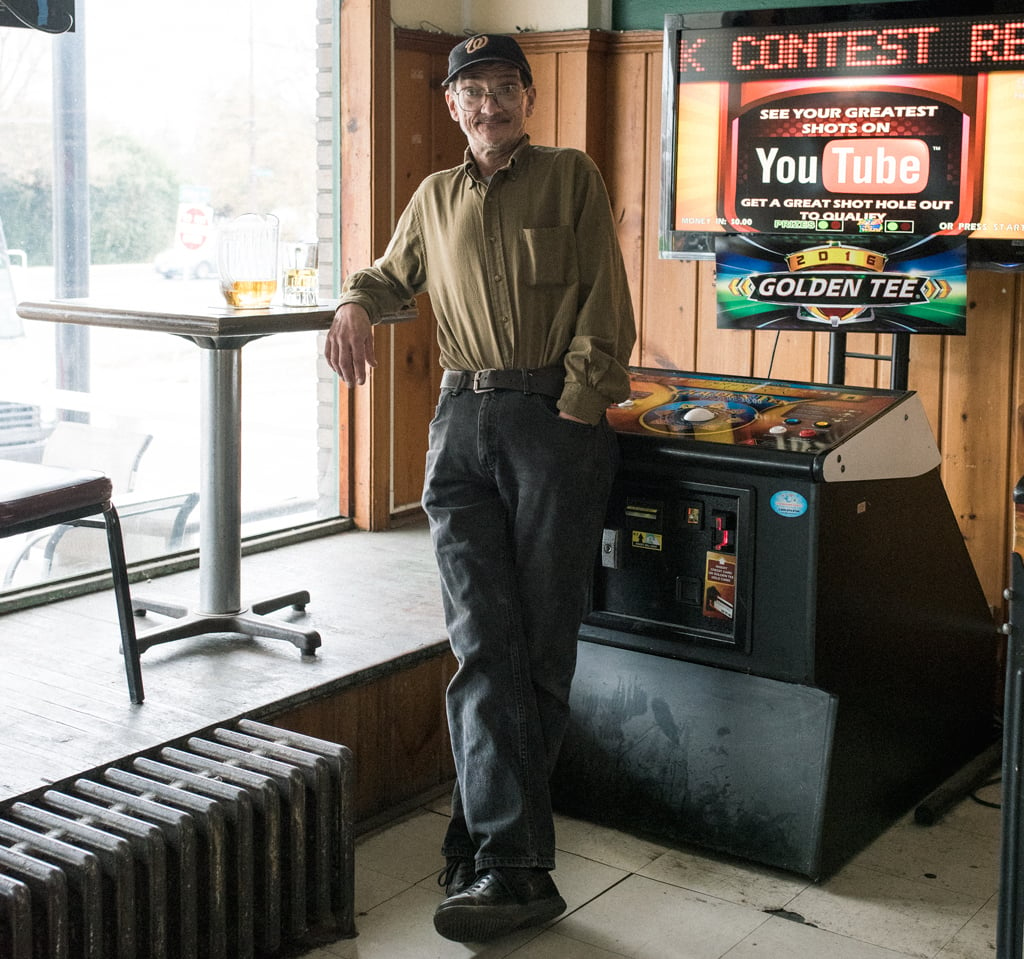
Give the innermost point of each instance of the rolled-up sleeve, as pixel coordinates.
(395, 277)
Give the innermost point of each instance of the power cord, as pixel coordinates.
(771, 360)
(984, 802)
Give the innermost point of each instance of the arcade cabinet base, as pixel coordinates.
(696, 754)
(765, 770)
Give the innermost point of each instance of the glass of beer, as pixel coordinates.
(247, 260)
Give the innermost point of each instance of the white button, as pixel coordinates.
(699, 414)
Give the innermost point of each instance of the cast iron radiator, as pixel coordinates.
(234, 843)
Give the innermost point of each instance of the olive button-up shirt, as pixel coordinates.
(523, 271)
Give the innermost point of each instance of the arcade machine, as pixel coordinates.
(787, 645)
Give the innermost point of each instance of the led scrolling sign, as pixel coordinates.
(957, 45)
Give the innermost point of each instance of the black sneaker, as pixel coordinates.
(501, 901)
(457, 876)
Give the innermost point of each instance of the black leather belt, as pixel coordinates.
(548, 380)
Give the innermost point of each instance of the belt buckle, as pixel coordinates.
(477, 388)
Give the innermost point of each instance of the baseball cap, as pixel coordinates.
(484, 48)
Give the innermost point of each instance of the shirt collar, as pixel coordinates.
(518, 156)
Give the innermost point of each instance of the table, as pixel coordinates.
(220, 332)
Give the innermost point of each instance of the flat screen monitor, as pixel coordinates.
(819, 131)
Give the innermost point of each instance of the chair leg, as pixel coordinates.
(125, 615)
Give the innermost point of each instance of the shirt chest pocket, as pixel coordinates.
(549, 256)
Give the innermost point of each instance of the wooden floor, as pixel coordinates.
(64, 707)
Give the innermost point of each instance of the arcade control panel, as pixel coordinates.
(729, 490)
(832, 433)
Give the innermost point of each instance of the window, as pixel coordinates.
(175, 123)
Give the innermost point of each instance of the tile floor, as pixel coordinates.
(917, 891)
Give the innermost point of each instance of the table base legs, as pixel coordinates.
(252, 622)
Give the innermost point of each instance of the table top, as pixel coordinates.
(200, 321)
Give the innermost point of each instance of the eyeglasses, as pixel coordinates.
(507, 96)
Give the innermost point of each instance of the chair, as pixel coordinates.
(76, 445)
(33, 497)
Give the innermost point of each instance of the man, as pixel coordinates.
(517, 249)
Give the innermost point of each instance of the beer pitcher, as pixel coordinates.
(247, 260)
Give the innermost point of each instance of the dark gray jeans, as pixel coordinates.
(516, 499)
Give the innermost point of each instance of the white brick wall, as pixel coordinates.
(327, 387)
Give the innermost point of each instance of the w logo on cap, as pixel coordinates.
(476, 43)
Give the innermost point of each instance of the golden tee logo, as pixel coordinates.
(838, 284)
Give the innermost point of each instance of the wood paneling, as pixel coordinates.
(975, 426)
(365, 116)
(419, 109)
(602, 93)
(425, 139)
